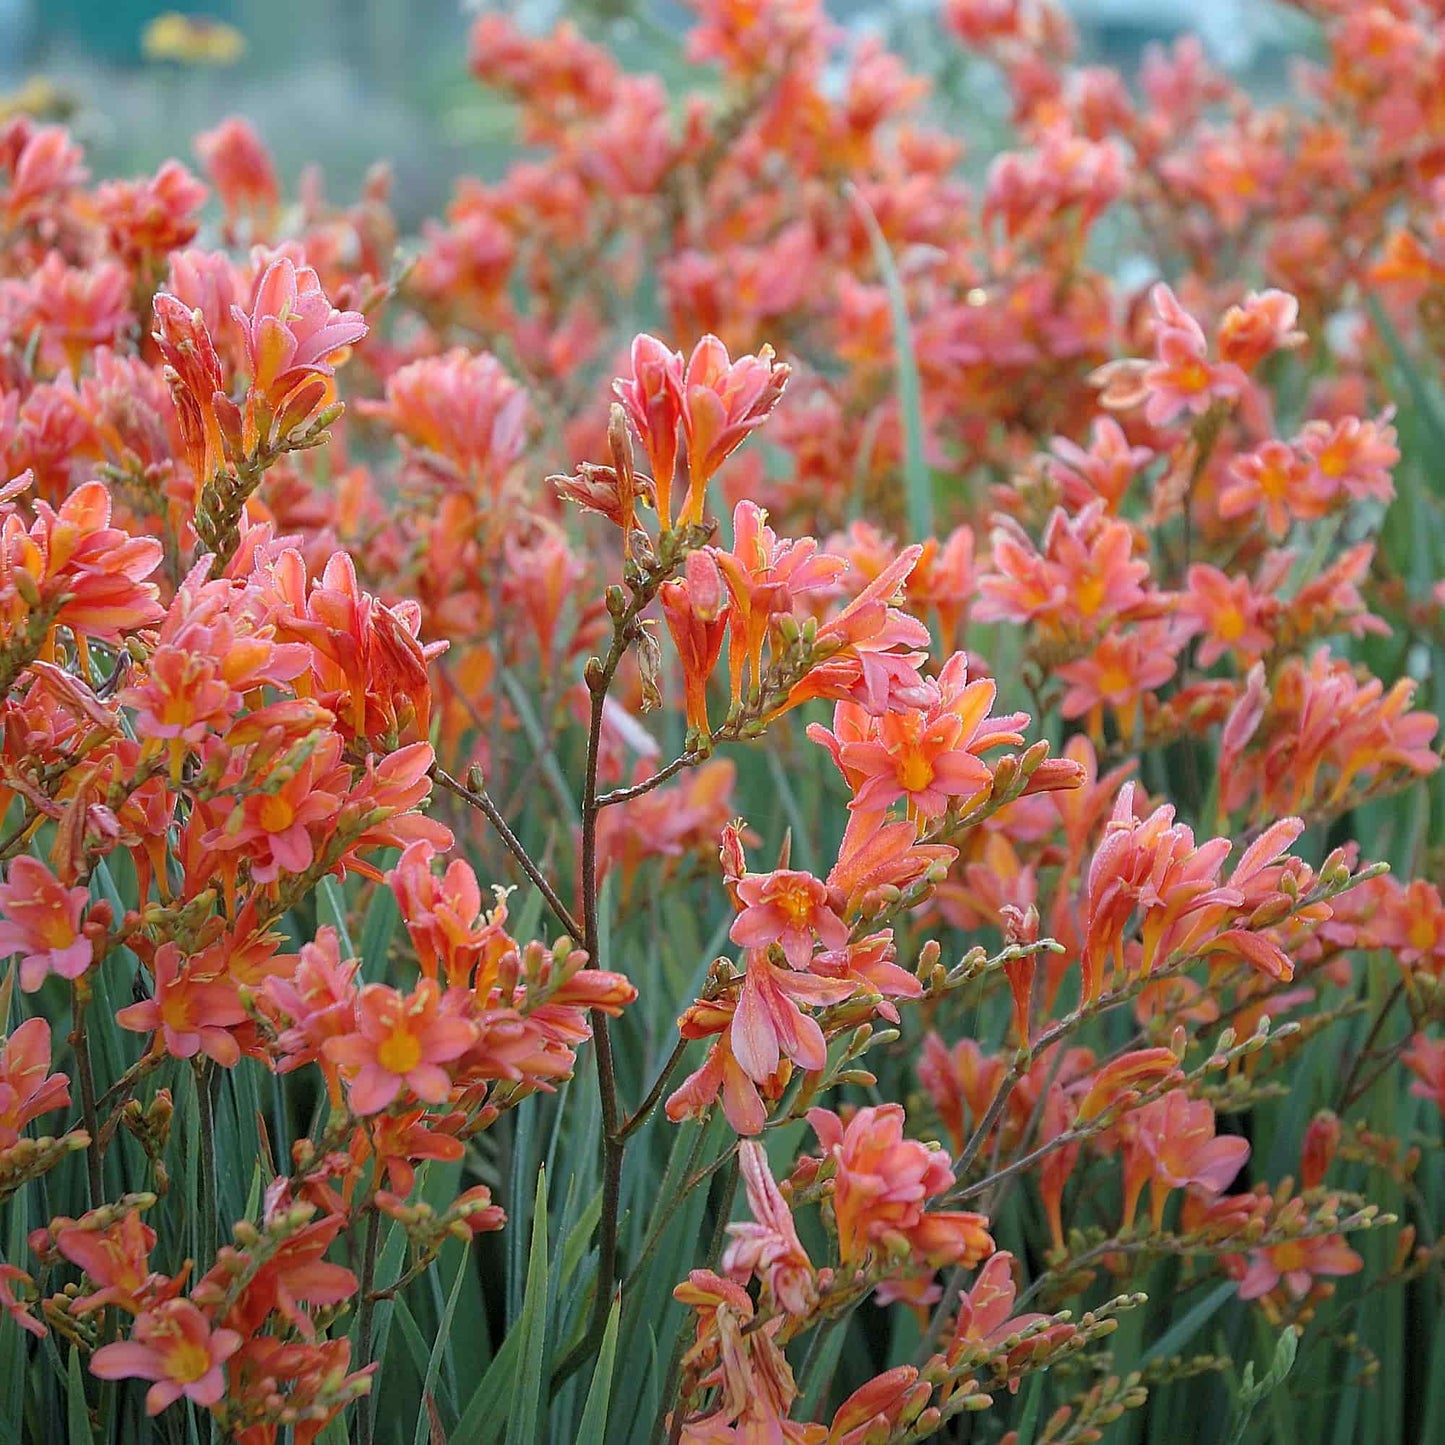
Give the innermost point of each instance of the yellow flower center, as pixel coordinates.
(1290, 1256)
(796, 902)
(399, 1052)
(187, 1360)
(1422, 932)
(916, 772)
(56, 931)
(277, 814)
(1229, 624)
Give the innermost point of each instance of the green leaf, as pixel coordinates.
(77, 1412)
(1033, 1403)
(1174, 1339)
(1250, 1393)
(916, 480)
(486, 1411)
(331, 908)
(423, 1424)
(580, 1239)
(522, 1421)
(594, 1413)
(378, 927)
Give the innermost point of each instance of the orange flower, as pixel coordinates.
(696, 612)
(401, 1040)
(43, 921)
(880, 1186)
(1170, 1143)
(174, 1345)
(192, 1012)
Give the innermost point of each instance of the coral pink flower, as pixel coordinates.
(765, 577)
(652, 398)
(770, 1025)
(41, 920)
(721, 1074)
(1170, 1142)
(116, 1259)
(1230, 615)
(929, 754)
(881, 1184)
(27, 1087)
(175, 1346)
(48, 164)
(722, 401)
(697, 613)
(1124, 667)
(462, 407)
(1182, 379)
(1276, 479)
(10, 1276)
(788, 908)
(1104, 470)
(292, 335)
(191, 1013)
(1352, 457)
(151, 217)
(879, 1407)
(768, 1245)
(1296, 1264)
(90, 576)
(240, 168)
(444, 916)
(400, 1039)
(1262, 325)
(986, 1319)
(1425, 1058)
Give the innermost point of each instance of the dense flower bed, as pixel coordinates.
(938, 725)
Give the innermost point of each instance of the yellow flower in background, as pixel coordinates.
(192, 40)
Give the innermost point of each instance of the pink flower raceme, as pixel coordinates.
(882, 1181)
(294, 338)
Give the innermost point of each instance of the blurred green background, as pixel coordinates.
(344, 83)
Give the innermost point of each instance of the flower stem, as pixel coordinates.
(365, 1313)
(85, 1076)
(206, 1079)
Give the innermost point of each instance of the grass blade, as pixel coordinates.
(594, 1413)
(917, 482)
(433, 1365)
(522, 1422)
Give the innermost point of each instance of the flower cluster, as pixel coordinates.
(1079, 609)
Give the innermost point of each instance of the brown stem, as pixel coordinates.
(646, 1107)
(1347, 1095)
(623, 795)
(514, 845)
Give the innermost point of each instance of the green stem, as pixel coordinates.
(365, 1314)
(85, 1074)
(206, 1079)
